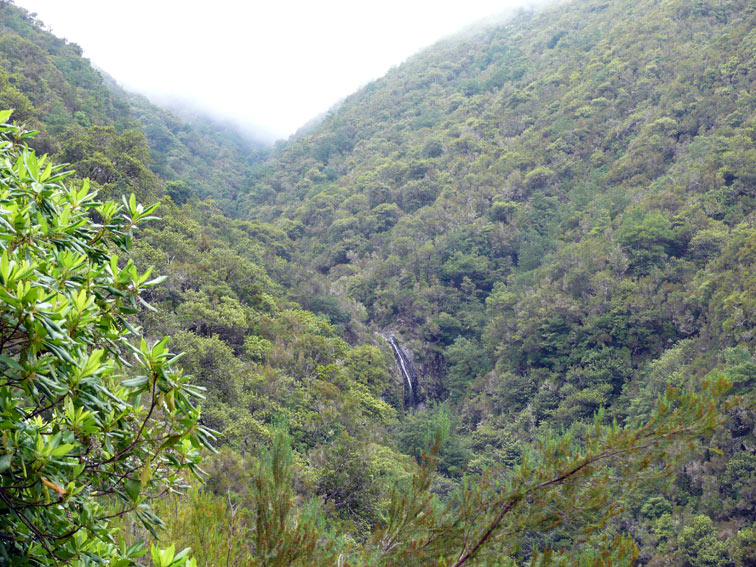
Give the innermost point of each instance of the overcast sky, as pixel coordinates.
(270, 65)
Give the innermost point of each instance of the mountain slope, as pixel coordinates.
(556, 214)
(465, 168)
(213, 161)
(263, 359)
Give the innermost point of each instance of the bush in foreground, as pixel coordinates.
(93, 420)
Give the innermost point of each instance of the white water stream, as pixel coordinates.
(403, 366)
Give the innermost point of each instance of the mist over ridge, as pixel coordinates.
(271, 68)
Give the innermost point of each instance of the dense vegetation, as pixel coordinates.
(86, 410)
(555, 215)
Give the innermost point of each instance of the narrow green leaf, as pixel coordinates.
(5, 461)
(135, 382)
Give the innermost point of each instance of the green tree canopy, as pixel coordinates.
(94, 420)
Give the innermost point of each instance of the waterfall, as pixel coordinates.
(406, 368)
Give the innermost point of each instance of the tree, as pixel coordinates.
(94, 420)
(565, 486)
(648, 240)
(699, 545)
(285, 535)
(179, 191)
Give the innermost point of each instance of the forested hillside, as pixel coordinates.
(226, 304)
(557, 215)
(555, 218)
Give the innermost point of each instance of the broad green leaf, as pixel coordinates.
(62, 450)
(133, 488)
